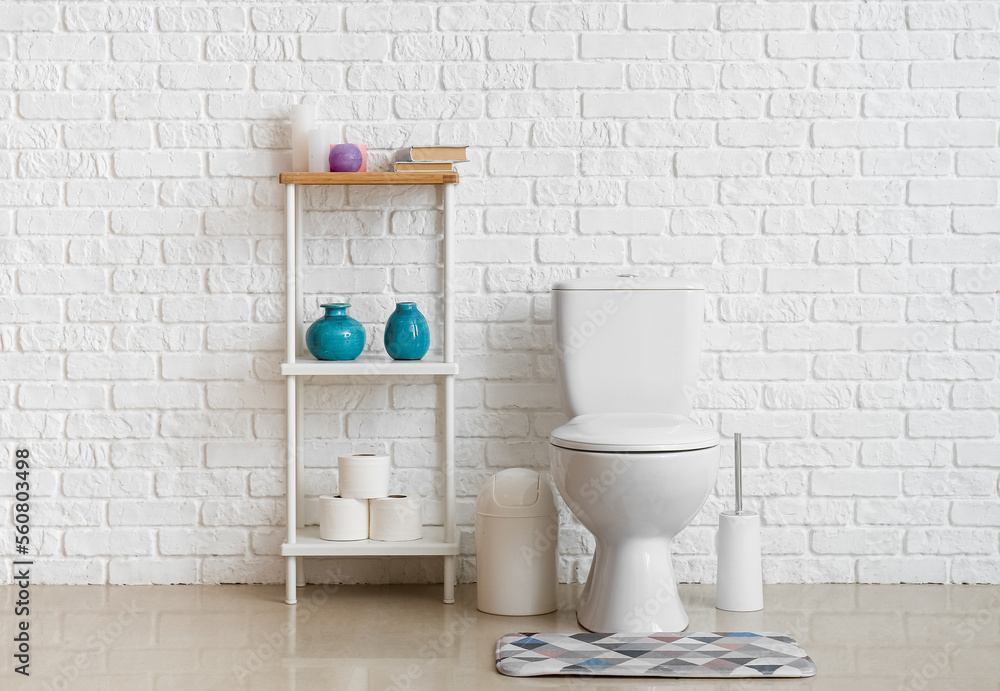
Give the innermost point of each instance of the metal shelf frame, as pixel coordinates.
(303, 541)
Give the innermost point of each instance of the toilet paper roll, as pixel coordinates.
(363, 476)
(343, 519)
(396, 518)
(303, 120)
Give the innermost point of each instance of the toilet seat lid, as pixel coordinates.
(610, 432)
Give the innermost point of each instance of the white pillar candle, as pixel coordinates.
(303, 119)
(319, 149)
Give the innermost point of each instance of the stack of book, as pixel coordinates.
(428, 159)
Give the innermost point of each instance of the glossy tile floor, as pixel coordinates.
(367, 638)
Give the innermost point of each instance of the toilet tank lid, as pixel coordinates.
(624, 432)
(628, 283)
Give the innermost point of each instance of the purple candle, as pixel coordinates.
(345, 158)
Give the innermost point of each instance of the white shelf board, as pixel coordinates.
(309, 544)
(367, 365)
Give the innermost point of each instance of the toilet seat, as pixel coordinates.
(633, 432)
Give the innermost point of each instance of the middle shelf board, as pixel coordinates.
(309, 544)
(372, 366)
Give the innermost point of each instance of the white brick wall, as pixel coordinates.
(830, 170)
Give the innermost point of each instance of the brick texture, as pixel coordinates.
(829, 170)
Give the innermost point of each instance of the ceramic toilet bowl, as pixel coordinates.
(634, 498)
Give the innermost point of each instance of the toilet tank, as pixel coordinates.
(628, 344)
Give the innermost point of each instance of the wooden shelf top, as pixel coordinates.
(368, 178)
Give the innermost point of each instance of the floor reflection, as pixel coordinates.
(401, 638)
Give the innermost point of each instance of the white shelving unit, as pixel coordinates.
(302, 540)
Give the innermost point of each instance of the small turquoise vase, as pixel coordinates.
(406, 334)
(336, 336)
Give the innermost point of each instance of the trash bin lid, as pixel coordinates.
(515, 493)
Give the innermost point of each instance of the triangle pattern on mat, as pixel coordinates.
(528, 643)
(700, 654)
(767, 670)
(740, 660)
(596, 662)
(674, 668)
(609, 646)
(590, 637)
(633, 653)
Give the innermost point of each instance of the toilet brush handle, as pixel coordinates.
(738, 441)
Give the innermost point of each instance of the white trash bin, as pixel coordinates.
(517, 536)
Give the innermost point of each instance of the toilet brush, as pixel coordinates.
(739, 582)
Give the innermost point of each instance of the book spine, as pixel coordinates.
(421, 167)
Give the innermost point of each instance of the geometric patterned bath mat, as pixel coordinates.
(735, 654)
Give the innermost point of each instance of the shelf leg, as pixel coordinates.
(449, 272)
(449, 388)
(300, 459)
(300, 267)
(291, 284)
(291, 521)
(300, 569)
(290, 580)
(293, 570)
(450, 532)
(449, 580)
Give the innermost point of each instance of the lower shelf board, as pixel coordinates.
(309, 544)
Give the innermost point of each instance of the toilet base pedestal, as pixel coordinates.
(631, 589)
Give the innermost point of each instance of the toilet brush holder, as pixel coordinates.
(739, 583)
(739, 578)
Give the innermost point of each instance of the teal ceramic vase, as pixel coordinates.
(336, 336)
(406, 334)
